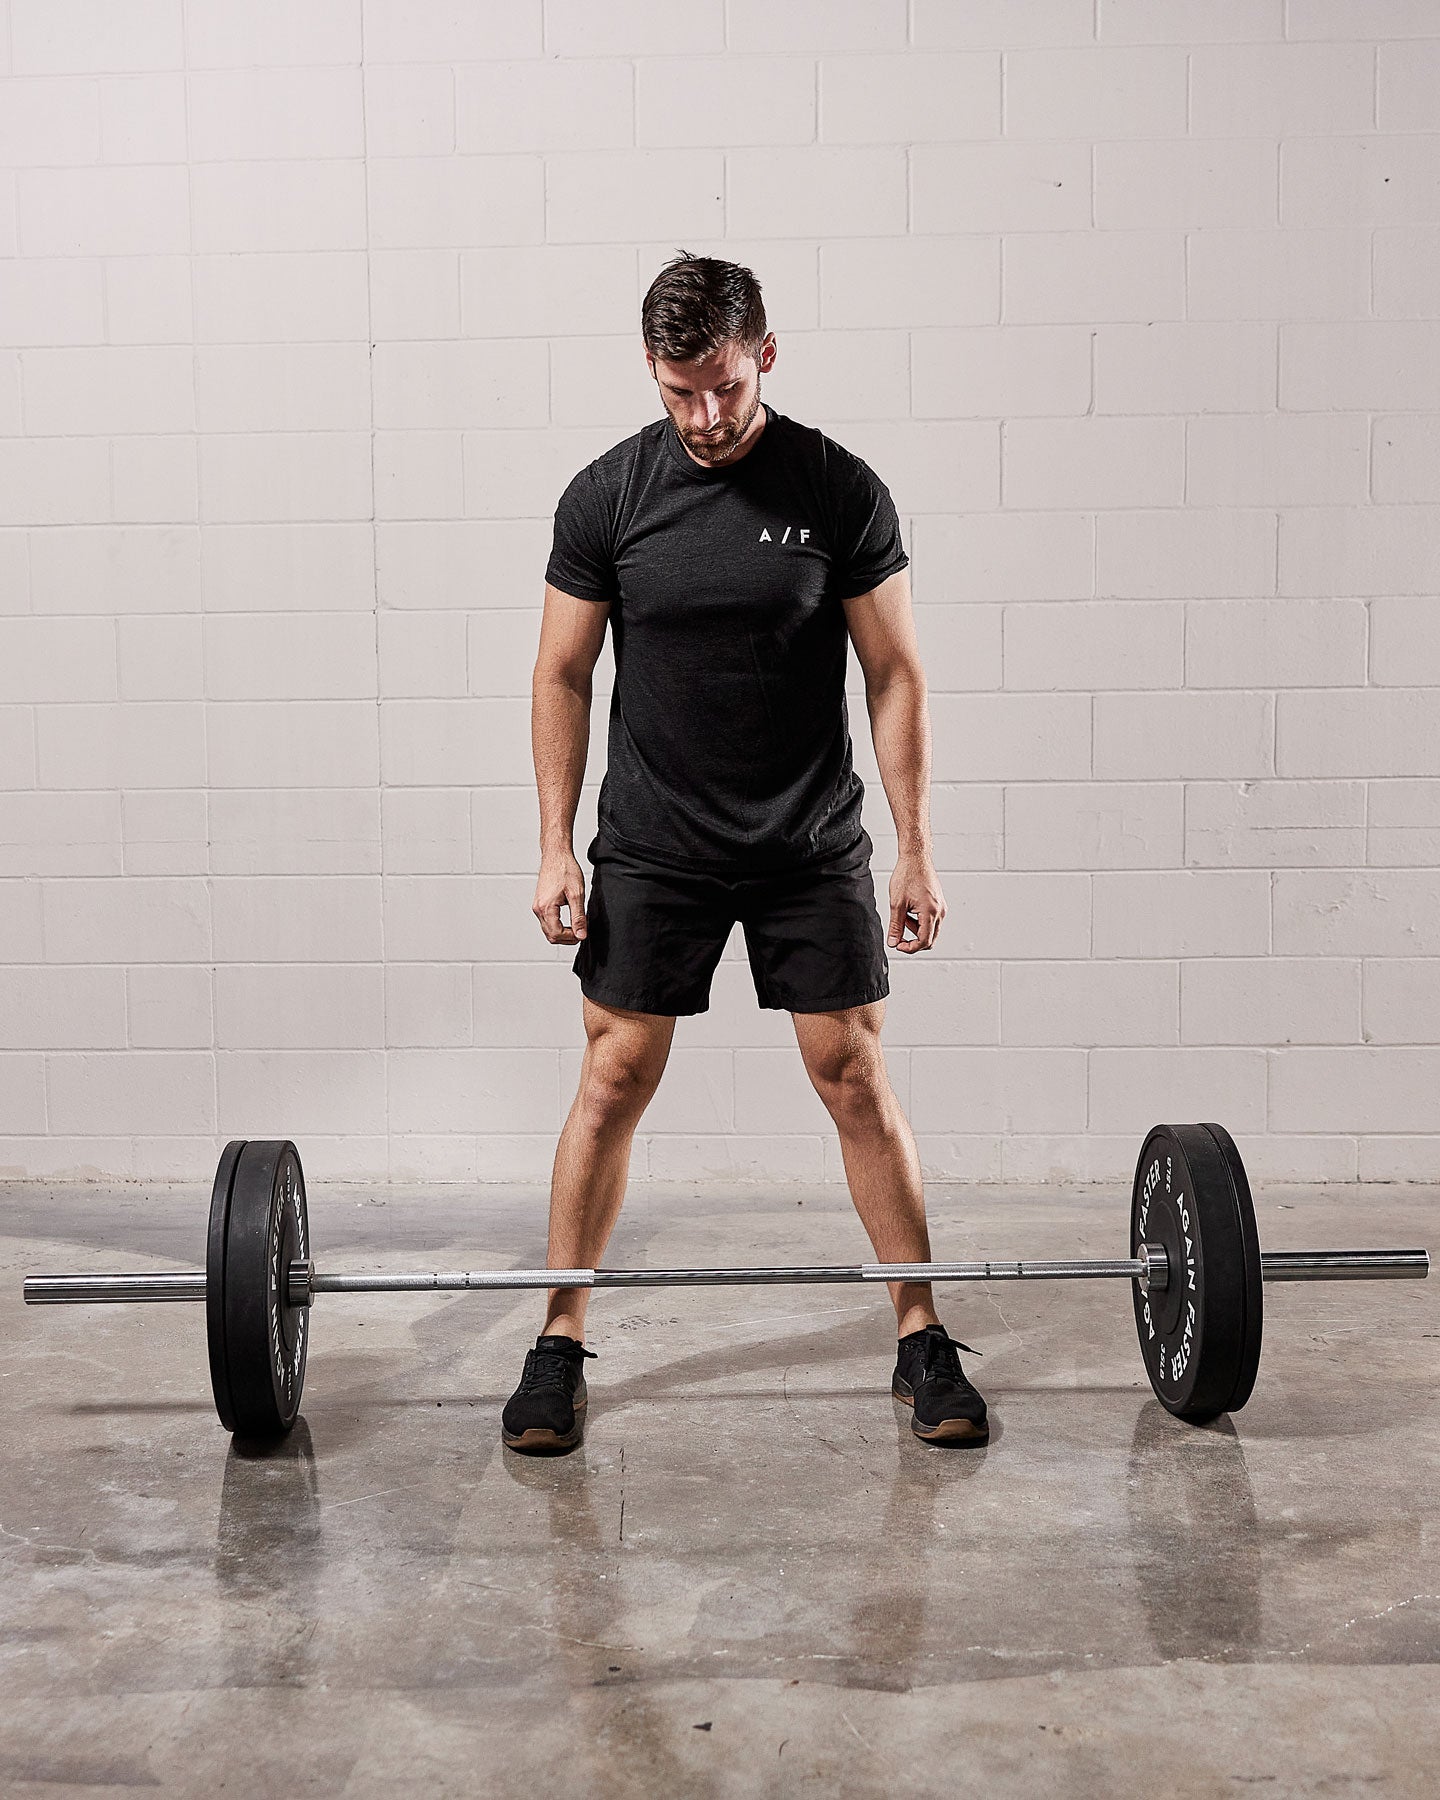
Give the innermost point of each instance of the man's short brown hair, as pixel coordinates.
(696, 304)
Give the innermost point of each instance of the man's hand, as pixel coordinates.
(915, 902)
(561, 883)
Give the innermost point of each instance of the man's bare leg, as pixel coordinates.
(625, 1056)
(844, 1059)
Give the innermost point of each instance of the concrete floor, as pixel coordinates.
(752, 1579)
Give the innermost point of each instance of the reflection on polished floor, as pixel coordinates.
(752, 1578)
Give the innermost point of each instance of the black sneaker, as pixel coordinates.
(546, 1413)
(928, 1377)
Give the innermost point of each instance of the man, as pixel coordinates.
(731, 551)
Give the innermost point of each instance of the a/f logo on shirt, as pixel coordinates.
(803, 537)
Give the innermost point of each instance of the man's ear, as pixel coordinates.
(767, 353)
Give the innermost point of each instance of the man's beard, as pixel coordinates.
(718, 448)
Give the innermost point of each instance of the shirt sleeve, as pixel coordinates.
(581, 559)
(867, 537)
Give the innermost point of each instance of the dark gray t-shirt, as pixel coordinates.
(729, 741)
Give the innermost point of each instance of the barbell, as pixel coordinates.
(1195, 1264)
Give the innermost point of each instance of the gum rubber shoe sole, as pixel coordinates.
(541, 1441)
(536, 1442)
(948, 1431)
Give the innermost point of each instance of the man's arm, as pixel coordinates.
(882, 629)
(572, 632)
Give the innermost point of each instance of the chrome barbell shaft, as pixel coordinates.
(54, 1290)
(1344, 1265)
(60, 1290)
(1276, 1265)
(1125, 1267)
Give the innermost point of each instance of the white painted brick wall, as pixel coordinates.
(308, 314)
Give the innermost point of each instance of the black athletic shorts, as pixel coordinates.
(815, 939)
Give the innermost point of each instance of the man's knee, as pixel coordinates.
(861, 1099)
(848, 1072)
(622, 1069)
(613, 1089)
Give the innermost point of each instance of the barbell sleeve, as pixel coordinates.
(75, 1290)
(1344, 1265)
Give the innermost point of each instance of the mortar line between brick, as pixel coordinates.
(375, 578)
(212, 972)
